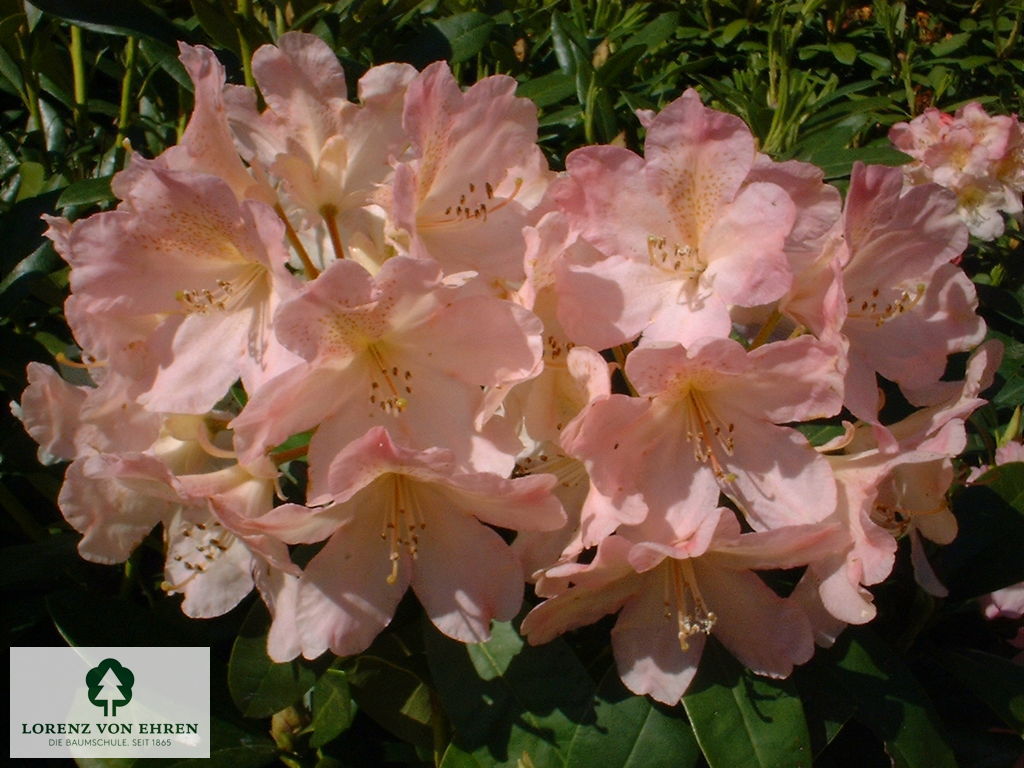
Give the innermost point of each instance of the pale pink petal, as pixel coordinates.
(768, 634)
(345, 599)
(647, 649)
(463, 593)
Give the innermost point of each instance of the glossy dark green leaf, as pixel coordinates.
(86, 192)
(388, 685)
(456, 758)
(547, 89)
(1007, 480)
(843, 160)
(1011, 393)
(950, 44)
(32, 176)
(986, 554)
(997, 681)
(230, 747)
(862, 672)
(111, 18)
(217, 23)
(260, 687)
(845, 53)
(466, 33)
(655, 32)
(632, 731)
(332, 707)
(508, 701)
(37, 265)
(743, 719)
(166, 57)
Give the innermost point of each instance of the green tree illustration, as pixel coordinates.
(110, 685)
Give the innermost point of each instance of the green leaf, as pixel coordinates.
(332, 707)
(945, 47)
(996, 681)
(86, 192)
(1007, 480)
(32, 176)
(221, 27)
(655, 32)
(509, 701)
(845, 53)
(985, 555)
(231, 747)
(743, 719)
(819, 434)
(166, 57)
(632, 732)
(844, 159)
(466, 33)
(111, 18)
(389, 687)
(732, 29)
(861, 672)
(260, 687)
(457, 758)
(547, 89)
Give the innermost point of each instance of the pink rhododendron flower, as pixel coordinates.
(330, 155)
(176, 288)
(703, 421)
(670, 595)
(475, 176)
(977, 156)
(681, 233)
(399, 517)
(401, 349)
(890, 488)
(906, 308)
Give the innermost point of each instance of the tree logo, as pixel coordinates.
(110, 685)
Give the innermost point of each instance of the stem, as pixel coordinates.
(126, 92)
(78, 76)
(283, 457)
(1011, 40)
(330, 213)
(766, 329)
(244, 49)
(32, 96)
(293, 237)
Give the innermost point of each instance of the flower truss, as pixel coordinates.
(978, 156)
(611, 364)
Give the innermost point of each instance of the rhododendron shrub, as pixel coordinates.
(980, 157)
(340, 349)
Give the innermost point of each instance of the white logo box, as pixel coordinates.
(159, 699)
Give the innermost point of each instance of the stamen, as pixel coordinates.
(707, 434)
(684, 580)
(870, 309)
(402, 521)
(225, 297)
(466, 209)
(398, 383)
(87, 361)
(682, 260)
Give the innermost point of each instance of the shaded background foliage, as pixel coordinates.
(929, 684)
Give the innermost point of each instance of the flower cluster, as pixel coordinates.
(978, 156)
(395, 300)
